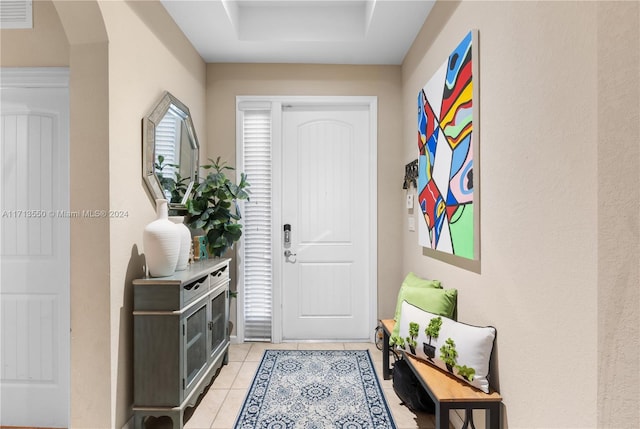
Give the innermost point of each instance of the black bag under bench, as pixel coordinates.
(409, 389)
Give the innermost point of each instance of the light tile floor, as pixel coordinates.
(221, 404)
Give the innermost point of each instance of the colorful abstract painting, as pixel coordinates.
(446, 138)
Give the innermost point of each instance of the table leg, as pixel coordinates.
(386, 371)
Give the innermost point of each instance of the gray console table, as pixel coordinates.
(180, 338)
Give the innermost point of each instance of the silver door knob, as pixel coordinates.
(290, 256)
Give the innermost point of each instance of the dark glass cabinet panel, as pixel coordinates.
(196, 343)
(219, 319)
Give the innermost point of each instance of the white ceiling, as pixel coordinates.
(301, 31)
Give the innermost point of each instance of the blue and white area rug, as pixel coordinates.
(315, 389)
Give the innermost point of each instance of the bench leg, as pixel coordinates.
(493, 416)
(386, 371)
(442, 415)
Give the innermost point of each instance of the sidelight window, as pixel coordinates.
(257, 245)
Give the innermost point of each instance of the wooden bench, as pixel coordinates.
(447, 391)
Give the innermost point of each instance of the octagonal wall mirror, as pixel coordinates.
(170, 152)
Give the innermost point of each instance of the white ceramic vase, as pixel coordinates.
(161, 240)
(185, 242)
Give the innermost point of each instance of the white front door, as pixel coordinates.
(34, 233)
(326, 282)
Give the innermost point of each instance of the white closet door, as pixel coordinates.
(34, 236)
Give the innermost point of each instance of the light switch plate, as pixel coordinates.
(409, 201)
(412, 223)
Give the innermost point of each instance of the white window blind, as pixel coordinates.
(168, 143)
(257, 225)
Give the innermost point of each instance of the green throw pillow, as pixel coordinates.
(411, 282)
(437, 301)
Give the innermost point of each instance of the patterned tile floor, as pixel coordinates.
(221, 404)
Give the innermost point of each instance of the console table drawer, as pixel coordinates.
(194, 289)
(172, 293)
(219, 276)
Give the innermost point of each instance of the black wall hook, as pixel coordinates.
(410, 175)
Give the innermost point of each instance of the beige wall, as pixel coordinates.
(618, 30)
(541, 200)
(90, 263)
(147, 55)
(43, 45)
(226, 81)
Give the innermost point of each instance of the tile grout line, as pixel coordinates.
(231, 384)
(226, 395)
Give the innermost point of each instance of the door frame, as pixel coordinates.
(277, 103)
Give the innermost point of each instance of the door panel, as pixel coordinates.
(319, 285)
(34, 236)
(326, 286)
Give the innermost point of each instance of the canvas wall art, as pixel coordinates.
(447, 142)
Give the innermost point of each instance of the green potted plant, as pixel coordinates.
(466, 372)
(432, 331)
(396, 340)
(178, 186)
(213, 207)
(448, 354)
(414, 328)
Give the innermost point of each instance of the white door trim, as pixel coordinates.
(277, 103)
(34, 77)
